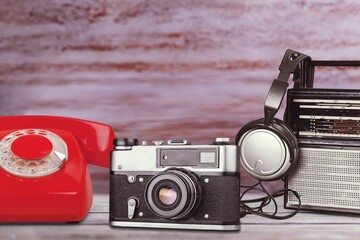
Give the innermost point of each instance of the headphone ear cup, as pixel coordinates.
(289, 137)
(267, 152)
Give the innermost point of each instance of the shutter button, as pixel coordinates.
(31, 147)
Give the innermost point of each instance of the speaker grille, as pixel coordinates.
(326, 179)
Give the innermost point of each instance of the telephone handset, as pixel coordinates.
(43, 167)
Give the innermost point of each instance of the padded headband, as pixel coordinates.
(279, 86)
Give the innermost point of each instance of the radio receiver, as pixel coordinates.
(326, 123)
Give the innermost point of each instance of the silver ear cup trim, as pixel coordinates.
(44, 166)
(264, 155)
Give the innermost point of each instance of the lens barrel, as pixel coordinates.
(173, 194)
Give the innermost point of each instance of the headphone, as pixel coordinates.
(268, 147)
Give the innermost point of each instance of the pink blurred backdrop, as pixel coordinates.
(164, 69)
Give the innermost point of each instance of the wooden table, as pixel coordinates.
(305, 225)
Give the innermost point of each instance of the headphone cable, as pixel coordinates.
(245, 209)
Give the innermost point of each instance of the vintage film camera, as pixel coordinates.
(175, 185)
(327, 125)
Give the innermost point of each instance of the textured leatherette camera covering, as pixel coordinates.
(220, 200)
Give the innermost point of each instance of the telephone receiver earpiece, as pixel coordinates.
(268, 147)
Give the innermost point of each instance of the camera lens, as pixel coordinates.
(168, 195)
(173, 194)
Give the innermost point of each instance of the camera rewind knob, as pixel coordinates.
(126, 142)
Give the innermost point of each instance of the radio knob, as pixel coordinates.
(31, 147)
(126, 142)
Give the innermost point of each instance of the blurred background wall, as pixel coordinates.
(162, 69)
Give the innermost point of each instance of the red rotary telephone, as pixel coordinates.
(43, 167)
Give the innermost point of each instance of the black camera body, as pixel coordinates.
(175, 185)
